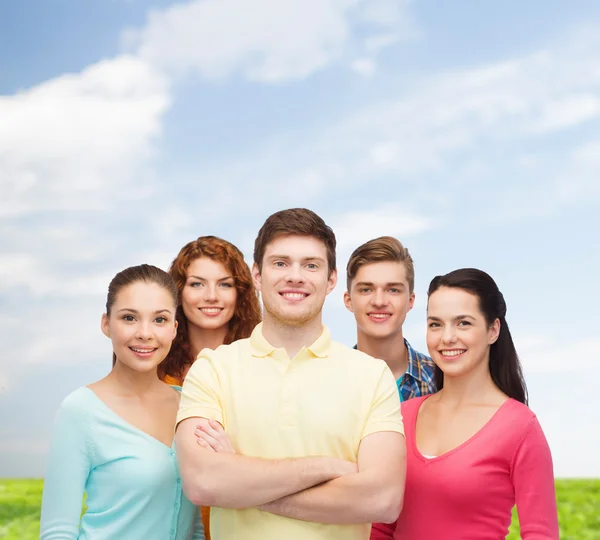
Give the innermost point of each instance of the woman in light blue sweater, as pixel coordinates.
(113, 439)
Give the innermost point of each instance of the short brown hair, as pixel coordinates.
(298, 222)
(384, 248)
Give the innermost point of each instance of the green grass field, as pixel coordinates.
(578, 510)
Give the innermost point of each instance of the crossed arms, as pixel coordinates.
(318, 489)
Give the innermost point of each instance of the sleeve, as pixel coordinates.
(201, 391)
(198, 527)
(533, 481)
(384, 414)
(383, 531)
(67, 471)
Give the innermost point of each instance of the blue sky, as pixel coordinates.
(468, 129)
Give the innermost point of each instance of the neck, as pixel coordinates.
(289, 336)
(391, 349)
(131, 382)
(474, 387)
(203, 338)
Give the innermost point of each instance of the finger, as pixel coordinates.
(208, 429)
(211, 441)
(216, 425)
(205, 445)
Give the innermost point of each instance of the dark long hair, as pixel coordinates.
(505, 367)
(133, 274)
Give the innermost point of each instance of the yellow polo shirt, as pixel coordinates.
(320, 403)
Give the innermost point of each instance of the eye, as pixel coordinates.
(464, 323)
(226, 285)
(196, 284)
(364, 290)
(128, 318)
(434, 325)
(395, 291)
(312, 266)
(161, 320)
(279, 264)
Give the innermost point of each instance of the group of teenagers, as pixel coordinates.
(276, 431)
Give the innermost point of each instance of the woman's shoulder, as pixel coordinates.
(78, 400)
(410, 407)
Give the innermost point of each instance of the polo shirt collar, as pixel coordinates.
(261, 347)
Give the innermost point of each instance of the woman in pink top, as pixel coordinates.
(474, 448)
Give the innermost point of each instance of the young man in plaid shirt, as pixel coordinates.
(380, 279)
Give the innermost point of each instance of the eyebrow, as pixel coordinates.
(204, 279)
(303, 259)
(137, 312)
(457, 318)
(371, 284)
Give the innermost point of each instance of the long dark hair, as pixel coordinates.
(505, 367)
(133, 274)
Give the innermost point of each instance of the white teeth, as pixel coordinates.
(211, 310)
(141, 350)
(379, 315)
(453, 353)
(294, 296)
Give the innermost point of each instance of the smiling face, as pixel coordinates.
(380, 298)
(458, 336)
(294, 280)
(209, 296)
(141, 325)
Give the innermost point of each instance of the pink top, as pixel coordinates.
(468, 493)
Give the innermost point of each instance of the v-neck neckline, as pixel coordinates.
(456, 449)
(128, 424)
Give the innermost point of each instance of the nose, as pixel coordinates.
(143, 331)
(379, 298)
(294, 274)
(210, 293)
(449, 334)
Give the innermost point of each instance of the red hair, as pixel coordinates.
(247, 310)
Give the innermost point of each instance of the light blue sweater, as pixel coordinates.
(131, 479)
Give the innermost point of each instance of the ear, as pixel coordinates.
(348, 302)
(332, 281)
(256, 277)
(494, 332)
(411, 302)
(175, 329)
(104, 325)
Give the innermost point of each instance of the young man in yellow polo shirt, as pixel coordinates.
(315, 447)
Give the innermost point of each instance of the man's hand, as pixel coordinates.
(211, 436)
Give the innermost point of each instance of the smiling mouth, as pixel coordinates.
(294, 296)
(142, 351)
(211, 310)
(379, 317)
(452, 353)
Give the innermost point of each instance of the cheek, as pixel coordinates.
(432, 338)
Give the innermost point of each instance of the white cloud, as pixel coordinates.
(544, 354)
(364, 66)
(67, 143)
(266, 40)
(354, 228)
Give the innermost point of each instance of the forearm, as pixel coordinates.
(364, 497)
(234, 481)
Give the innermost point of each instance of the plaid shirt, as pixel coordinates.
(418, 379)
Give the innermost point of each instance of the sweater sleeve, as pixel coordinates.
(383, 531)
(67, 470)
(533, 480)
